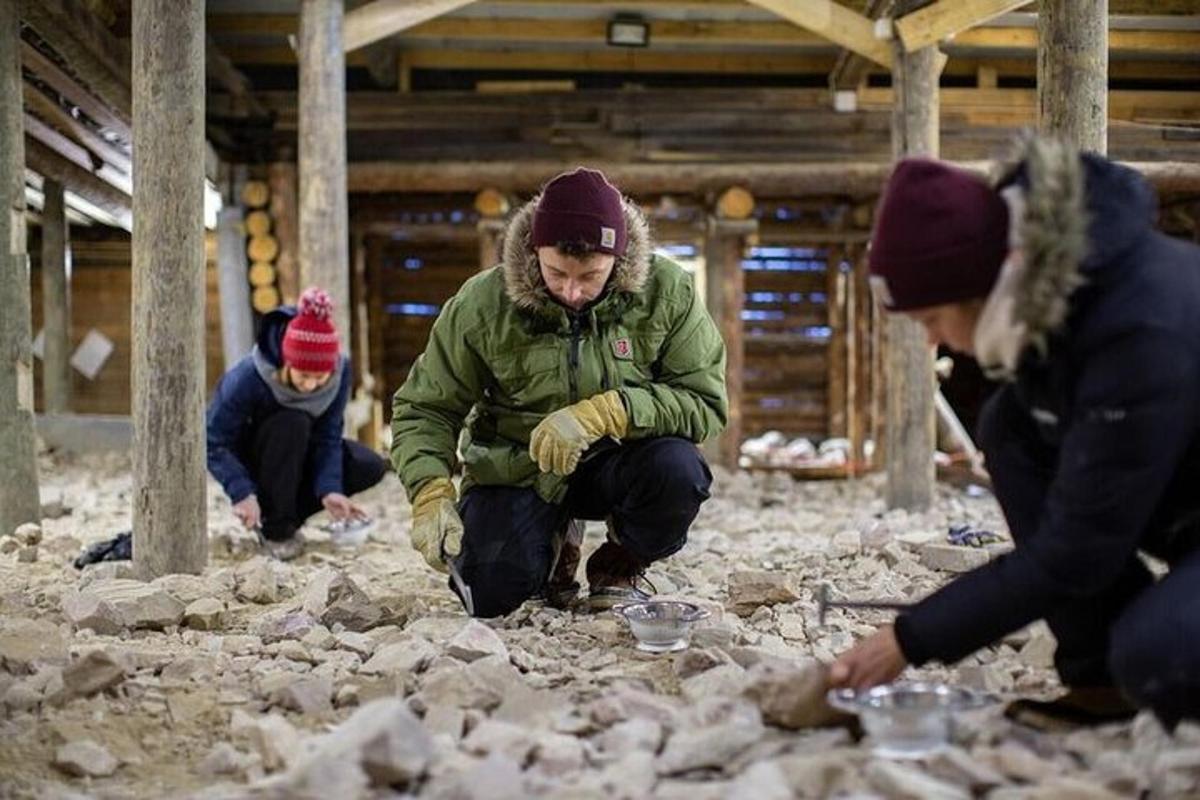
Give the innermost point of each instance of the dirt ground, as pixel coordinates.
(235, 683)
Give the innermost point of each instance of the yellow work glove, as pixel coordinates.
(560, 439)
(437, 530)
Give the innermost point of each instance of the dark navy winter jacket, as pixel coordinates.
(243, 399)
(1116, 405)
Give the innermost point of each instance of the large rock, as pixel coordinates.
(109, 607)
(256, 581)
(85, 758)
(93, 672)
(26, 643)
(711, 734)
(901, 782)
(476, 641)
(281, 625)
(383, 739)
(952, 557)
(204, 614)
(404, 658)
(751, 590)
(272, 736)
(793, 696)
(309, 694)
(334, 598)
(492, 736)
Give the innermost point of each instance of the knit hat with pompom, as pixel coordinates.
(310, 342)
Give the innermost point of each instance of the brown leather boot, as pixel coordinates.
(613, 575)
(562, 588)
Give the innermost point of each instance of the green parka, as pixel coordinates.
(502, 355)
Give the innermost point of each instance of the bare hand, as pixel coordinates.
(248, 511)
(874, 660)
(340, 507)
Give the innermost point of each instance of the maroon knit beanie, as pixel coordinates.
(941, 235)
(581, 206)
(310, 342)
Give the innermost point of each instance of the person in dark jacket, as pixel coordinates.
(275, 428)
(1057, 282)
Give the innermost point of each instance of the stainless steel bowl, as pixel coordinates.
(661, 626)
(908, 720)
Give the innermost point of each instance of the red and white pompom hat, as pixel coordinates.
(310, 342)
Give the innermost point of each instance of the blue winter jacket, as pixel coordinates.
(243, 399)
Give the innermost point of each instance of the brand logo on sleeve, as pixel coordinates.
(623, 348)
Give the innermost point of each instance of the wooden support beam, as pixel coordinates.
(71, 151)
(1072, 72)
(911, 422)
(86, 45)
(54, 114)
(836, 374)
(380, 19)
(237, 322)
(836, 23)
(855, 180)
(223, 71)
(725, 295)
(169, 482)
(72, 91)
(281, 177)
(56, 301)
(19, 502)
(49, 164)
(324, 222)
(929, 25)
(851, 69)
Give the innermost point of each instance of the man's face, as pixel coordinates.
(952, 324)
(575, 282)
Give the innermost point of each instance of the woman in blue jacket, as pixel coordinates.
(275, 428)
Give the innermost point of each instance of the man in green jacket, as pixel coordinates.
(581, 373)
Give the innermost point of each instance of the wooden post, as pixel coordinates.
(19, 501)
(911, 423)
(237, 321)
(725, 295)
(490, 231)
(1072, 72)
(836, 375)
(56, 301)
(169, 485)
(281, 177)
(324, 231)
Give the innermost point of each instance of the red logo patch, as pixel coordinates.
(622, 349)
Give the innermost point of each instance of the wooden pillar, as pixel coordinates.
(281, 177)
(490, 231)
(237, 321)
(56, 301)
(324, 232)
(18, 456)
(836, 374)
(169, 523)
(725, 295)
(1072, 71)
(911, 421)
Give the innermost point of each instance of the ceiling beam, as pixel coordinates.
(73, 92)
(92, 52)
(836, 23)
(49, 164)
(383, 18)
(929, 25)
(222, 70)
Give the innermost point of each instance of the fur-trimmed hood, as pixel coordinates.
(1071, 217)
(523, 282)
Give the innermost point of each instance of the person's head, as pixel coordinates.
(941, 236)
(310, 342)
(578, 234)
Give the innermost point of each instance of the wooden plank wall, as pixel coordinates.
(101, 292)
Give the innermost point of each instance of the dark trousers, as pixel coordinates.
(651, 488)
(1141, 636)
(280, 462)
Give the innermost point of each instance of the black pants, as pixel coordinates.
(1141, 636)
(279, 460)
(651, 488)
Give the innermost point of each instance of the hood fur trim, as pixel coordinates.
(523, 276)
(1049, 231)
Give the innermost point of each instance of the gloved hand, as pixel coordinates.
(437, 530)
(560, 439)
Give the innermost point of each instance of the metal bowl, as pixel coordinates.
(661, 626)
(908, 720)
(349, 532)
